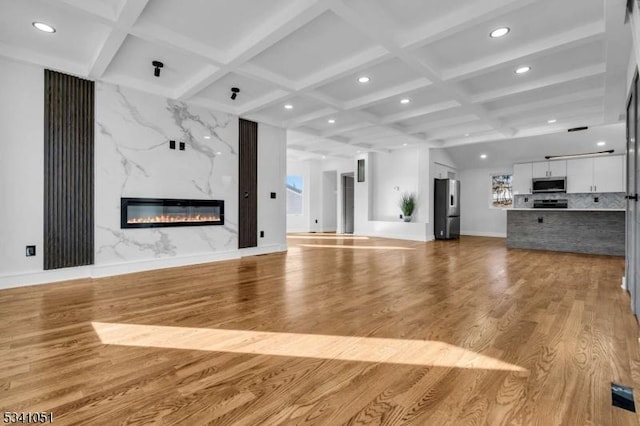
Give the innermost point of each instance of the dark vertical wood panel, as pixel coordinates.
(69, 171)
(248, 185)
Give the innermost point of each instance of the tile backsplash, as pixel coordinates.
(609, 200)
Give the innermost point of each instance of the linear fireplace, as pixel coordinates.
(163, 212)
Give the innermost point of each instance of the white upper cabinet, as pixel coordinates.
(580, 175)
(543, 169)
(598, 174)
(608, 174)
(558, 168)
(521, 182)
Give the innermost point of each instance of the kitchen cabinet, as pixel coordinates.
(521, 181)
(543, 169)
(596, 174)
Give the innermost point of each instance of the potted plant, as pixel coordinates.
(407, 205)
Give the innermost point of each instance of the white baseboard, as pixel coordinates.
(397, 236)
(99, 271)
(484, 234)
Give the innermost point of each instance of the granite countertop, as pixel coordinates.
(564, 210)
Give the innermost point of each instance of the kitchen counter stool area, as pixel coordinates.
(577, 231)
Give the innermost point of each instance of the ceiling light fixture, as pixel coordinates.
(601, 143)
(553, 120)
(207, 137)
(234, 93)
(405, 144)
(405, 101)
(43, 27)
(522, 70)
(331, 121)
(157, 66)
(288, 106)
(499, 32)
(483, 156)
(364, 79)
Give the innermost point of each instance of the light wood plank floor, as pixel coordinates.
(336, 331)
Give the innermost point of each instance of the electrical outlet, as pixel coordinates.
(261, 234)
(30, 251)
(273, 195)
(172, 144)
(526, 199)
(400, 216)
(596, 199)
(316, 220)
(540, 220)
(182, 146)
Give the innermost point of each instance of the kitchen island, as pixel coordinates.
(592, 231)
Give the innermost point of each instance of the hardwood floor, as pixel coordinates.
(336, 331)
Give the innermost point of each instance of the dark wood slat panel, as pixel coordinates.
(248, 185)
(69, 168)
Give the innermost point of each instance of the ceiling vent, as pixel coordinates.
(578, 129)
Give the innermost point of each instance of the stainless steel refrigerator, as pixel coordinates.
(446, 209)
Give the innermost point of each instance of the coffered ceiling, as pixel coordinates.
(309, 54)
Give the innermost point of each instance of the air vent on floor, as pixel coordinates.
(578, 129)
(622, 396)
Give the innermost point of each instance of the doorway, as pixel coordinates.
(347, 203)
(632, 258)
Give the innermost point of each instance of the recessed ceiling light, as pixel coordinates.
(324, 157)
(553, 120)
(44, 27)
(288, 106)
(218, 153)
(499, 32)
(405, 144)
(364, 79)
(405, 101)
(466, 134)
(483, 156)
(602, 143)
(207, 137)
(522, 70)
(358, 151)
(331, 121)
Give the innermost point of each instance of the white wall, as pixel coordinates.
(329, 201)
(272, 170)
(476, 215)
(132, 159)
(21, 166)
(392, 175)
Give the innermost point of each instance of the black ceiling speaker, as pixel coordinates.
(234, 93)
(157, 65)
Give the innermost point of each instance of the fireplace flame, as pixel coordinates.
(173, 219)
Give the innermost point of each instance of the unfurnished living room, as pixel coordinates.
(321, 212)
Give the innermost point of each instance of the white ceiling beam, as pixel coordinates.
(127, 17)
(264, 101)
(569, 39)
(454, 121)
(405, 115)
(217, 106)
(269, 33)
(95, 10)
(383, 95)
(374, 26)
(503, 92)
(345, 129)
(354, 64)
(299, 121)
(550, 102)
(42, 60)
(466, 17)
(570, 115)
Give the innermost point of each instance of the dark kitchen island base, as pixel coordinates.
(577, 231)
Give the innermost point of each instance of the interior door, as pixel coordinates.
(632, 213)
(248, 185)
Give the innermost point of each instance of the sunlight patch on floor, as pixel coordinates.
(344, 348)
(339, 246)
(324, 237)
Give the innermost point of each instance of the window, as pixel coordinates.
(295, 194)
(501, 191)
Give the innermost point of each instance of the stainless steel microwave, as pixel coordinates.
(550, 184)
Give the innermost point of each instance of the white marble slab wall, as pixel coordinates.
(133, 159)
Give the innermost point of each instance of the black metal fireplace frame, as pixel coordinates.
(171, 202)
